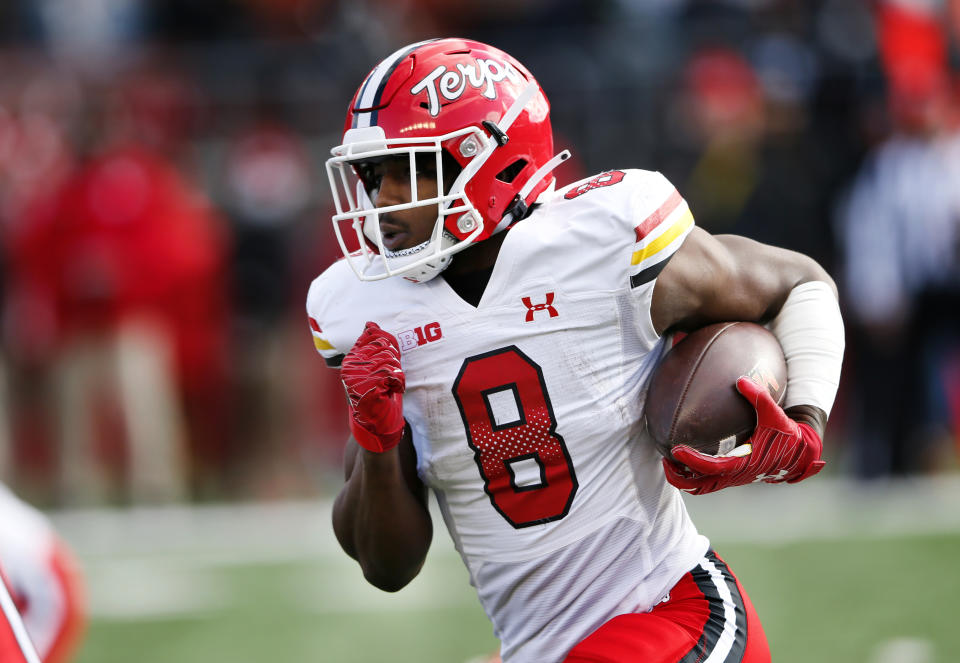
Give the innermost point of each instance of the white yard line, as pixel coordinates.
(829, 509)
(904, 650)
(291, 531)
(154, 589)
(156, 563)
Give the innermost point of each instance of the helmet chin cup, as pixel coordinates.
(417, 264)
(415, 267)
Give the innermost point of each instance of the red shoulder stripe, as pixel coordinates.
(314, 325)
(662, 212)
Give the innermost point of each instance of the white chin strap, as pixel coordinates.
(427, 270)
(531, 183)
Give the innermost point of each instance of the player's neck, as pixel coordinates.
(480, 256)
(469, 272)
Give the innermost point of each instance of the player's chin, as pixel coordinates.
(395, 241)
(401, 240)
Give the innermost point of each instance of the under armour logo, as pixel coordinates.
(533, 308)
(771, 477)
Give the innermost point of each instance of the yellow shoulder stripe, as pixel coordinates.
(670, 234)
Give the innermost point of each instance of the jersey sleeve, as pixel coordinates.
(661, 221)
(635, 219)
(317, 307)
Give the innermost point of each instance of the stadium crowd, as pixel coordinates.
(163, 207)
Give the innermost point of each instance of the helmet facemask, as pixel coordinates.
(357, 215)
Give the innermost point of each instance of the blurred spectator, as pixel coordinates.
(115, 281)
(267, 190)
(265, 184)
(40, 107)
(900, 234)
(724, 113)
(748, 160)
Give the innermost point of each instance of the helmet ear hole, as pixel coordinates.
(510, 173)
(451, 170)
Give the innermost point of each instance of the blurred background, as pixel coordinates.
(163, 208)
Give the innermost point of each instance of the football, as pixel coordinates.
(693, 399)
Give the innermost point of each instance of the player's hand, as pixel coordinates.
(780, 449)
(374, 382)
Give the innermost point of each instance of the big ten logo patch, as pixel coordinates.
(414, 338)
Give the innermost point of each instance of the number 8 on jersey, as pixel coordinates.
(524, 462)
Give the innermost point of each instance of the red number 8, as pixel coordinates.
(608, 178)
(530, 438)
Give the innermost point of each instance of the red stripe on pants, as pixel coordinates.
(667, 633)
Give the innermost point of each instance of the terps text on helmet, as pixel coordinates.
(451, 83)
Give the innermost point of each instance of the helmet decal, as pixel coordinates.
(372, 88)
(452, 83)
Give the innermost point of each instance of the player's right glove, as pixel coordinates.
(780, 449)
(375, 382)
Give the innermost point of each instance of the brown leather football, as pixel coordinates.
(693, 397)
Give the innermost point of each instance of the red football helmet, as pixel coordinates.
(450, 98)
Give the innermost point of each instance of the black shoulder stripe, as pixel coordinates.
(334, 361)
(650, 273)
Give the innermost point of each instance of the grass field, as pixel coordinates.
(837, 573)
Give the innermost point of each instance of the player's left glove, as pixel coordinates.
(780, 449)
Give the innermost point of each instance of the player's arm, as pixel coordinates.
(380, 517)
(728, 277)
(716, 278)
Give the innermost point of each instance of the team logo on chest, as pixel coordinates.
(546, 306)
(414, 338)
(450, 83)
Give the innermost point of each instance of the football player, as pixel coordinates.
(43, 580)
(15, 644)
(496, 334)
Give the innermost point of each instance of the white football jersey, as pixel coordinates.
(526, 410)
(32, 557)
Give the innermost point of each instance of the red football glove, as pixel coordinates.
(781, 450)
(374, 382)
